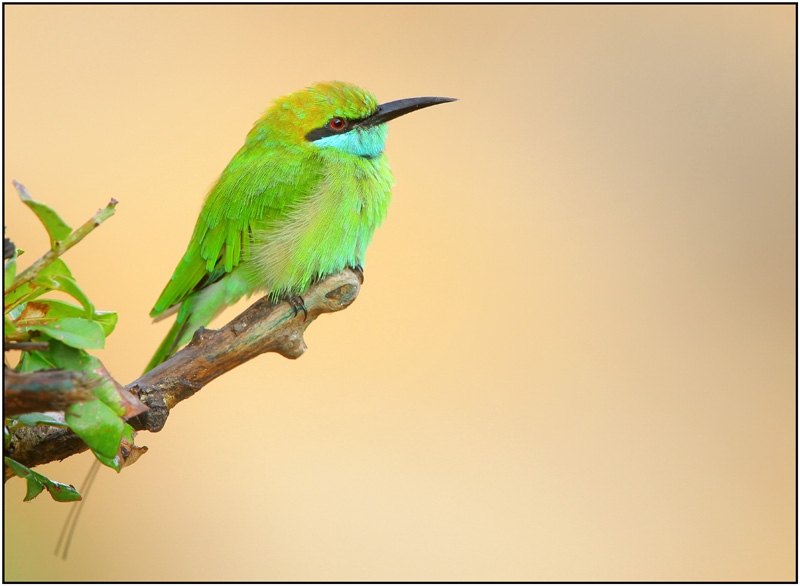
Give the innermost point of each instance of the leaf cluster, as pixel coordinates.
(56, 334)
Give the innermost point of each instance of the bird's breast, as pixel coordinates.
(325, 231)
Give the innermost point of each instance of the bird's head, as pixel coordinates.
(335, 115)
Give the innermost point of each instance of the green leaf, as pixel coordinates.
(8, 325)
(69, 358)
(128, 433)
(46, 280)
(10, 270)
(57, 356)
(56, 276)
(107, 320)
(56, 268)
(97, 425)
(56, 228)
(33, 419)
(106, 391)
(36, 360)
(117, 461)
(35, 487)
(69, 286)
(75, 331)
(38, 482)
(23, 294)
(54, 309)
(114, 463)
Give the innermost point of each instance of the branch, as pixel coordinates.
(263, 327)
(44, 390)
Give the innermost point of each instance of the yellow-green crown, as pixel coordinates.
(294, 115)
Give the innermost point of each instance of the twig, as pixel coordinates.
(263, 327)
(44, 390)
(60, 247)
(27, 346)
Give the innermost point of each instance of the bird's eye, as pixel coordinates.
(337, 123)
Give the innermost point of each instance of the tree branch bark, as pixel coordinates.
(263, 327)
(44, 390)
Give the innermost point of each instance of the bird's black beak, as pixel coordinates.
(391, 110)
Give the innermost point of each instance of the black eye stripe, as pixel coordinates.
(326, 130)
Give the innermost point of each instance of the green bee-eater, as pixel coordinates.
(299, 201)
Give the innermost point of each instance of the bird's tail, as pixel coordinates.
(170, 343)
(197, 311)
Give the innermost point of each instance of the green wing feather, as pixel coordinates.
(257, 189)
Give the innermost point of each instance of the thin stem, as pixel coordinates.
(64, 245)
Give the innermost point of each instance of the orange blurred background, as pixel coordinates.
(573, 357)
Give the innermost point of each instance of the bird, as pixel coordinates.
(300, 200)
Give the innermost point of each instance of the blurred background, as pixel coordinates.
(573, 357)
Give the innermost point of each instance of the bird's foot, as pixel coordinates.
(359, 271)
(297, 304)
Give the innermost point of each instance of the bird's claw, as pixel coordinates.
(359, 271)
(297, 304)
